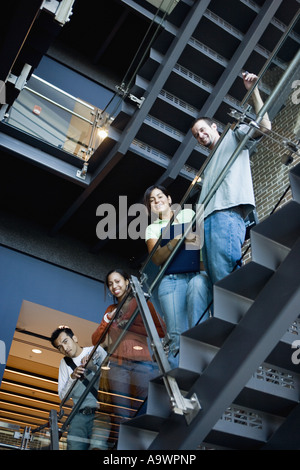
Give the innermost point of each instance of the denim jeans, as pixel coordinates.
(224, 235)
(129, 381)
(178, 303)
(199, 296)
(80, 432)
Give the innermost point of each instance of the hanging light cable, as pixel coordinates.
(122, 89)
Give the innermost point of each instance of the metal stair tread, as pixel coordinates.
(234, 294)
(294, 176)
(272, 390)
(246, 281)
(146, 421)
(272, 239)
(213, 331)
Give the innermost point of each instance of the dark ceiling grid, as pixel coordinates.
(224, 83)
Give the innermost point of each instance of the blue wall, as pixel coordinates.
(73, 83)
(23, 277)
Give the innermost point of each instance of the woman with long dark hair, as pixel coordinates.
(132, 363)
(184, 291)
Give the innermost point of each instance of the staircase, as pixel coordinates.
(239, 362)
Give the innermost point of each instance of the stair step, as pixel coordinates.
(239, 427)
(281, 355)
(272, 240)
(199, 345)
(271, 390)
(234, 294)
(138, 433)
(158, 403)
(151, 65)
(294, 176)
(286, 436)
(243, 428)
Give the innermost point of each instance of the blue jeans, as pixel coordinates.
(80, 432)
(199, 297)
(128, 383)
(224, 235)
(178, 303)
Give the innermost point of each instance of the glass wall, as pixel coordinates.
(54, 116)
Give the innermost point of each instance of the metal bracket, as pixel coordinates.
(139, 101)
(188, 407)
(83, 172)
(21, 80)
(50, 5)
(180, 405)
(63, 11)
(294, 148)
(239, 115)
(26, 437)
(124, 91)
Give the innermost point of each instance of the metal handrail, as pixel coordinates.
(58, 105)
(63, 92)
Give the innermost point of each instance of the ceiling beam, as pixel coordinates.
(222, 87)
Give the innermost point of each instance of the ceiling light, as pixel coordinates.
(105, 365)
(102, 133)
(138, 348)
(36, 351)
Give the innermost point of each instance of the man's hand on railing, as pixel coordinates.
(78, 372)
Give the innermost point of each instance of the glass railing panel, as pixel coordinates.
(53, 116)
(41, 440)
(48, 435)
(10, 435)
(122, 379)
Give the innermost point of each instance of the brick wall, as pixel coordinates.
(270, 175)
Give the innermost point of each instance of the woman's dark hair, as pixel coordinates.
(148, 192)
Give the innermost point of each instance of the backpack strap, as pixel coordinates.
(69, 361)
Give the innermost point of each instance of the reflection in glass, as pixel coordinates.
(130, 364)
